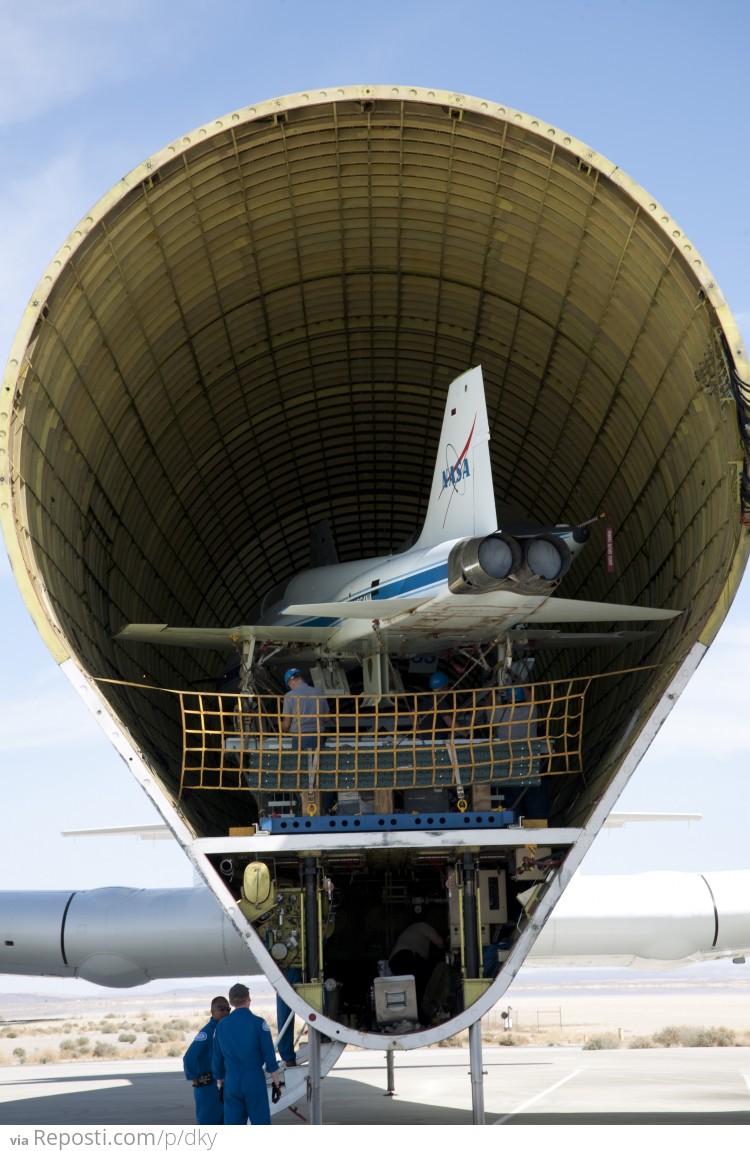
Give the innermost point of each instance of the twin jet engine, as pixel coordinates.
(528, 564)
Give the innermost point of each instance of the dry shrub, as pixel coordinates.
(695, 1037)
(503, 1037)
(459, 1040)
(509, 1039)
(604, 1042)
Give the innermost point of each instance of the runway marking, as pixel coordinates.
(15, 1092)
(535, 1098)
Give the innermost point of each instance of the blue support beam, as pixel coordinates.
(455, 820)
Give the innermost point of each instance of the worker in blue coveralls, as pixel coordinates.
(283, 1011)
(197, 1063)
(242, 1047)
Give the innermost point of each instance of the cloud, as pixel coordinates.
(47, 714)
(77, 96)
(742, 319)
(55, 50)
(40, 209)
(708, 722)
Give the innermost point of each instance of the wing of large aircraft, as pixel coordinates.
(222, 637)
(150, 831)
(411, 626)
(620, 818)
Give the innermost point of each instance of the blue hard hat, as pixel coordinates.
(439, 679)
(289, 675)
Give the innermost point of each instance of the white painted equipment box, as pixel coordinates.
(395, 999)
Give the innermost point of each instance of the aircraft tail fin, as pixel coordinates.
(462, 499)
(322, 545)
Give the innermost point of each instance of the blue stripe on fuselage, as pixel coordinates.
(405, 585)
(411, 584)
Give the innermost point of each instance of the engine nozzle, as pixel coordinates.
(529, 566)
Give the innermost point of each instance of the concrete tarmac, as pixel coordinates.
(522, 1086)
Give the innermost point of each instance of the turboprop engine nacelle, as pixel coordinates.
(529, 565)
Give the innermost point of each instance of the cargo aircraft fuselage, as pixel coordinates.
(297, 292)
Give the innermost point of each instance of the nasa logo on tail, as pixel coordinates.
(454, 474)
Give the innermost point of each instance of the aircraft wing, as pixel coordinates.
(218, 637)
(554, 637)
(151, 831)
(405, 626)
(555, 610)
(140, 830)
(367, 609)
(620, 818)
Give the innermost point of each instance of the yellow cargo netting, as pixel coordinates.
(368, 743)
(461, 738)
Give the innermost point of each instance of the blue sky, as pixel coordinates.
(89, 90)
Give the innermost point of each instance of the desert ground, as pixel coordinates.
(713, 1010)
